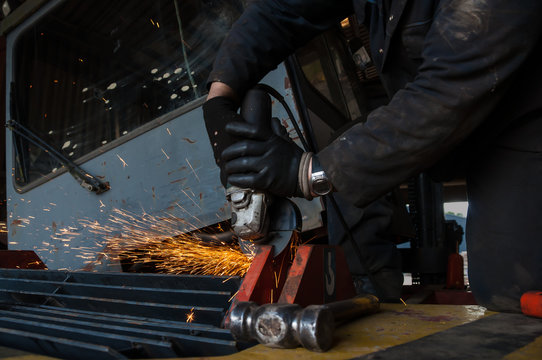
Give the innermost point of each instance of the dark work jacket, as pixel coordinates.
(461, 74)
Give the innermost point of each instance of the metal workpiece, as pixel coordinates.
(83, 315)
(289, 325)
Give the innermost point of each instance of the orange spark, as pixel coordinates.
(124, 164)
(155, 241)
(188, 196)
(233, 296)
(196, 175)
(190, 316)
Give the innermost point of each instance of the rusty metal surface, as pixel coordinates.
(319, 274)
(264, 280)
(20, 259)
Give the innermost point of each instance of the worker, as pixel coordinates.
(465, 87)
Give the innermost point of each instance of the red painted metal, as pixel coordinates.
(265, 278)
(258, 281)
(20, 259)
(531, 303)
(450, 297)
(454, 297)
(454, 273)
(319, 274)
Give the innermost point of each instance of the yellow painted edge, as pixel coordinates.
(530, 351)
(7, 353)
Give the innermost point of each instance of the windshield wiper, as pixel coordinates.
(86, 180)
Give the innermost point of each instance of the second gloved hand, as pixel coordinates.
(218, 112)
(262, 160)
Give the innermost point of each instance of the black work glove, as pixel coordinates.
(263, 160)
(217, 112)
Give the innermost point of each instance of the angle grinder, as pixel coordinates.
(258, 217)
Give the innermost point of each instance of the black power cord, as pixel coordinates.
(359, 254)
(274, 93)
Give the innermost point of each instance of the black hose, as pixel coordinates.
(293, 67)
(274, 93)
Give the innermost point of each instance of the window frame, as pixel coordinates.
(16, 28)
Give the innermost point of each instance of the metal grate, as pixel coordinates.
(83, 315)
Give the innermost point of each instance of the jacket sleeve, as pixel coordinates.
(266, 33)
(471, 57)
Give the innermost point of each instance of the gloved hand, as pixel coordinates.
(262, 160)
(217, 112)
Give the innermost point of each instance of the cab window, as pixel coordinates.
(90, 72)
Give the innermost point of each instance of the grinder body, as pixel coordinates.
(249, 207)
(257, 216)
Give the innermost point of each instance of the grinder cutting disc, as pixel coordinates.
(284, 219)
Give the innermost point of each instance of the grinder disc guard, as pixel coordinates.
(284, 219)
